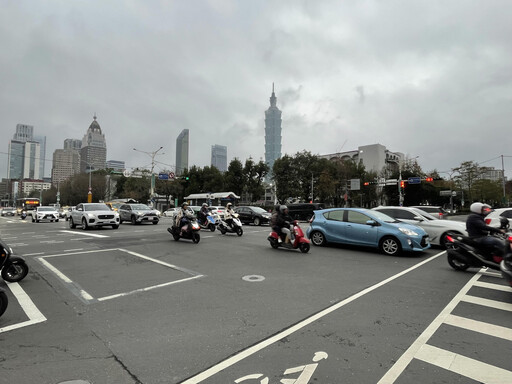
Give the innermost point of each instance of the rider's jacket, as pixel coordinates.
(476, 227)
(228, 214)
(283, 219)
(181, 214)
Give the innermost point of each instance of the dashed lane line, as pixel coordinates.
(85, 234)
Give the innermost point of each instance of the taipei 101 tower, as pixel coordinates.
(272, 132)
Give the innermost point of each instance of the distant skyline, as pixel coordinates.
(430, 79)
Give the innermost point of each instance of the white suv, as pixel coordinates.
(45, 213)
(93, 215)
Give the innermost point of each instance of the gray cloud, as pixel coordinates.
(430, 78)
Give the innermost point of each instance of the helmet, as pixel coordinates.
(480, 208)
(184, 205)
(228, 205)
(282, 208)
(205, 205)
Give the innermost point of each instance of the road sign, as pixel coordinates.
(445, 193)
(163, 176)
(172, 175)
(355, 184)
(414, 180)
(391, 181)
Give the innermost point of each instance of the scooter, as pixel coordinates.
(235, 228)
(191, 233)
(3, 301)
(14, 268)
(23, 215)
(299, 240)
(209, 223)
(506, 268)
(463, 252)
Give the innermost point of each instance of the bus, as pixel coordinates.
(27, 204)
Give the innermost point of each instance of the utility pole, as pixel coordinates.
(152, 154)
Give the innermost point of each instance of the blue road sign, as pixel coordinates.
(163, 176)
(414, 180)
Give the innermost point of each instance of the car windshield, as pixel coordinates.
(140, 207)
(96, 207)
(46, 209)
(423, 214)
(383, 217)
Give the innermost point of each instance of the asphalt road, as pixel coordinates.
(133, 306)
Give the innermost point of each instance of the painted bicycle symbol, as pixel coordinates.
(306, 372)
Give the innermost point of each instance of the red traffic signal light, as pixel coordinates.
(429, 179)
(366, 183)
(402, 184)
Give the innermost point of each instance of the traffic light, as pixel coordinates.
(366, 183)
(402, 184)
(429, 179)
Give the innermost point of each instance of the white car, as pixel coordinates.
(437, 229)
(171, 212)
(45, 213)
(493, 218)
(218, 210)
(93, 215)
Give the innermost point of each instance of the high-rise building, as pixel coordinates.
(272, 131)
(66, 163)
(26, 154)
(220, 157)
(182, 151)
(93, 154)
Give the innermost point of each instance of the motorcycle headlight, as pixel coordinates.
(407, 231)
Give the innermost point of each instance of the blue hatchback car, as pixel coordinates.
(359, 226)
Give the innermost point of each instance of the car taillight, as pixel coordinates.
(487, 221)
(510, 239)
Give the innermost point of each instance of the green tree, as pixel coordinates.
(234, 177)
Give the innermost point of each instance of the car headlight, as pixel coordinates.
(407, 231)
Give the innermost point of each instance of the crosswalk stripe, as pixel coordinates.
(479, 326)
(497, 287)
(462, 365)
(488, 303)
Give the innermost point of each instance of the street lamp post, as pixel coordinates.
(152, 154)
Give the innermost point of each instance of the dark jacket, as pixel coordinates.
(282, 219)
(476, 227)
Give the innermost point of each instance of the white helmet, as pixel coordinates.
(480, 208)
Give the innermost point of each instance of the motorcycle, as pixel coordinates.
(3, 301)
(464, 252)
(191, 233)
(23, 215)
(235, 228)
(209, 223)
(506, 268)
(299, 241)
(14, 268)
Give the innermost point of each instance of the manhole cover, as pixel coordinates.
(253, 278)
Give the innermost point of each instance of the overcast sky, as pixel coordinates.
(426, 78)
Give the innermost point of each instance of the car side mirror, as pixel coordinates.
(80, 209)
(418, 218)
(373, 223)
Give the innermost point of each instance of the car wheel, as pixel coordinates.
(84, 224)
(115, 226)
(155, 222)
(33, 220)
(71, 223)
(134, 220)
(67, 219)
(120, 221)
(318, 238)
(256, 221)
(57, 220)
(390, 246)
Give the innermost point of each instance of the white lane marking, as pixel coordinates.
(273, 339)
(55, 270)
(148, 288)
(33, 254)
(28, 306)
(72, 250)
(85, 234)
(51, 241)
(497, 287)
(18, 245)
(487, 303)
(480, 327)
(396, 370)
(465, 366)
(489, 273)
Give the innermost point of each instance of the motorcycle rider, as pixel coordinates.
(203, 213)
(478, 230)
(283, 223)
(228, 214)
(183, 217)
